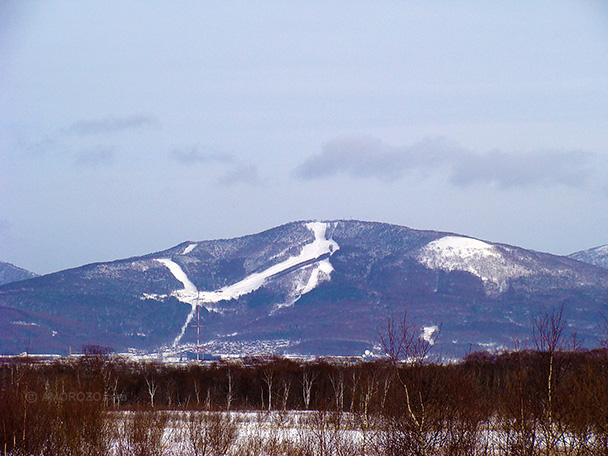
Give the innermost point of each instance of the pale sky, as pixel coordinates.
(128, 127)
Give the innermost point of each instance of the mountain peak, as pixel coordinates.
(11, 273)
(597, 256)
(306, 287)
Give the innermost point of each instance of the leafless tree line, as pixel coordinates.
(549, 400)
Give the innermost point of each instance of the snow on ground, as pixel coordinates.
(188, 294)
(322, 267)
(188, 249)
(457, 253)
(597, 256)
(457, 248)
(189, 290)
(317, 273)
(429, 333)
(24, 323)
(255, 432)
(320, 247)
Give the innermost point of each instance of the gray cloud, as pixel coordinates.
(243, 174)
(368, 157)
(110, 125)
(523, 169)
(97, 156)
(365, 156)
(195, 155)
(40, 147)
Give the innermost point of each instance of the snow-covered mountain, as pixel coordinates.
(597, 256)
(11, 273)
(305, 288)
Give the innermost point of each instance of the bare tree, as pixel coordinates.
(230, 392)
(151, 383)
(197, 391)
(308, 379)
(548, 335)
(268, 377)
(406, 348)
(354, 385)
(171, 390)
(386, 385)
(368, 390)
(210, 434)
(142, 434)
(337, 384)
(285, 392)
(208, 400)
(402, 342)
(549, 339)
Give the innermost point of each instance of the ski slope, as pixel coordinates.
(317, 251)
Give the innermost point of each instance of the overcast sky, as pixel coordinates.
(128, 127)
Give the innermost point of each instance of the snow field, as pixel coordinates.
(282, 433)
(316, 250)
(486, 261)
(261, 433)
(188, 249)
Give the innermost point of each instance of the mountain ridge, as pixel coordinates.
(597, 256)
(11, 273)
(308, 287)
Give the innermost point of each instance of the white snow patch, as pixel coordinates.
(189, 249)
(486, 261)
(24, 323)
(320, 271)
(322, 267)
(154, 296)
(429, 333)
(458, 248)
(189, 290)
(321, 246)
(487, 344)
(188, 294)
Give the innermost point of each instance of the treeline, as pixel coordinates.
(545, 401)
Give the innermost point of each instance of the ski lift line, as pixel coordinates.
(198, 327)
(317, 251)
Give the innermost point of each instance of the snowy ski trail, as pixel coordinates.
(320, 249)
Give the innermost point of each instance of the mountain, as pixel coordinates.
(11, 273)
(322, 288)
(597, 256)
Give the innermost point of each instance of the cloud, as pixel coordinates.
(98, 156)
(523, 169)
(110, 125)
(65, 138)
(241, 175)
(368, 157)
(40, 147)
(194, 155)
(365, 156)
(237, 174)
